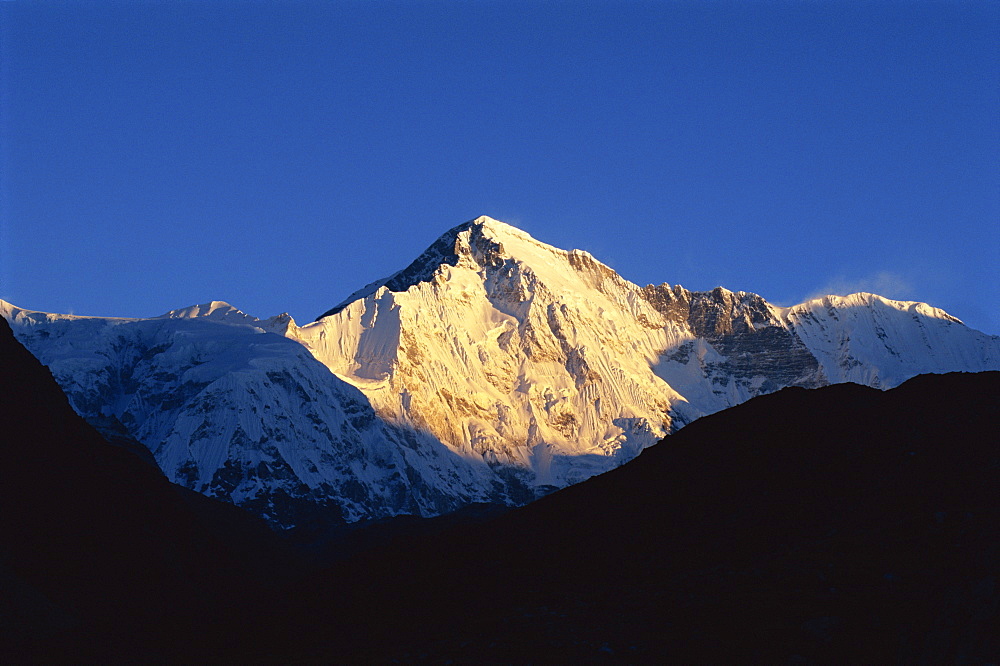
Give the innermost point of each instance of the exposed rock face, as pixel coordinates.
(759, 353)
(491, 369)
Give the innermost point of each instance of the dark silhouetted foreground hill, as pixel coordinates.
(841, 524)
(101, 558)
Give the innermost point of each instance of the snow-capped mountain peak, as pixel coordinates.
(548, 360)
(491, 368)
(501, 345)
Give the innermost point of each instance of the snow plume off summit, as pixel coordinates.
(493, 368)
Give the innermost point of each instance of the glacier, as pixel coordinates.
(493, 368)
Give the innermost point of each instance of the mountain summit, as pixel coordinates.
(476, 241)
(508, 350)
(493, 368)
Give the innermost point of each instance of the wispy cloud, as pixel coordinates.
(883, 283)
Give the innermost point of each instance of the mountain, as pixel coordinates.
(836, 525)
(492, 369)
(237, 413)
(549, 361)
(828, 526)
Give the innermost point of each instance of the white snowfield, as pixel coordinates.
(491, 369)
(235, 412)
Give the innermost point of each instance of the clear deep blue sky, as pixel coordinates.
(280, 155)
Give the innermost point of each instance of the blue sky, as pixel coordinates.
(280, 155)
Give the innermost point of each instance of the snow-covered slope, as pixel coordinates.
(867, 339)
(492, 368)
(234, 412)
(509, 349)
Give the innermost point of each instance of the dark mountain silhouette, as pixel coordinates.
(807, 526)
